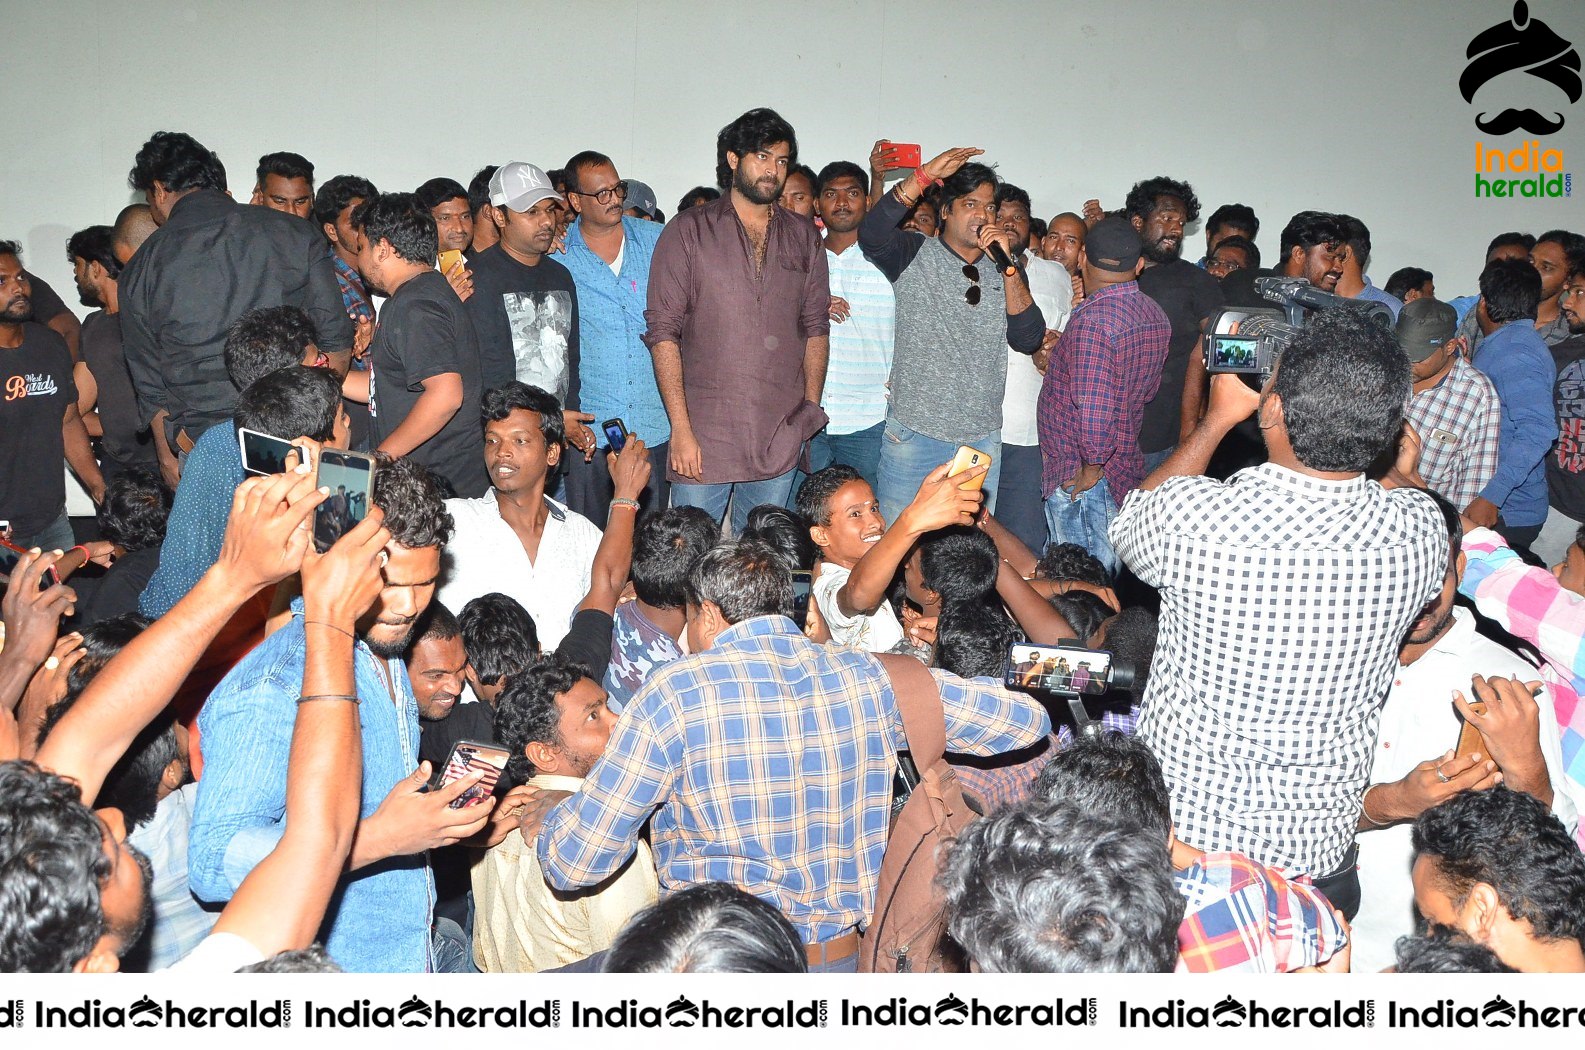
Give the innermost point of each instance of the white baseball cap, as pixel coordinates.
(519, 186)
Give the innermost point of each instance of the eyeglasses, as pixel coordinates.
(607, 195)
(971, 295)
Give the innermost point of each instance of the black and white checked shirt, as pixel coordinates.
(1283, 602)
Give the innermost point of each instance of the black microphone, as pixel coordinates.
(998, 256)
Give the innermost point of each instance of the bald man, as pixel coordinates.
(133, 227)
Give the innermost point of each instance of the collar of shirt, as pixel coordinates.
(557, 511)
(756, 627)
(1307, 485)
(555, 782)
(199, 206)
(1105, 294)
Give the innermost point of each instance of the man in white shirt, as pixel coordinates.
(1418, 732)
(1018, 503)
(864, 316)
(515, 539)
(554, 719)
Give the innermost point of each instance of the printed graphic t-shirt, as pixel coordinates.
(526, 318)
(1565, 464)
(35, 389)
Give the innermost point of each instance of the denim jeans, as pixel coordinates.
(453, 950)
(1018, 504)
(1084, 521)
(743, 496)
(860, 450)
(57, 535)
(907, 456)
(1156, 459)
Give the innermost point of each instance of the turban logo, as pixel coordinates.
(1523, 43)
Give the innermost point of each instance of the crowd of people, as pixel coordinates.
(574, 613)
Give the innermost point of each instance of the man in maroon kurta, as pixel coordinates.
(738, 327)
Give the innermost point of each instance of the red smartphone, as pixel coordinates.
(904, 154)
(10, 552)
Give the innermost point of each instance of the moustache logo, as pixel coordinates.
(414, 1012)
(1527, 44)
(1519, 120)
(1229, 1013)
(145, 1013)
(951, 1010)
(682, 1012)
(1499, 1013)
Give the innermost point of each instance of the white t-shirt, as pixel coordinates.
(1052, 290)
(875, 633)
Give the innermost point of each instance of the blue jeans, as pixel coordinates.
(1156, 459)
(743, 496)
(1018, 504)
(1084, 521)
(907, 456)
(452, 948)
(860, 450)
(57, 535)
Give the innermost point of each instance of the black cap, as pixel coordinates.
(1113, 245)
(1424, 327)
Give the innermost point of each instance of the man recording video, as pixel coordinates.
(1284, 594)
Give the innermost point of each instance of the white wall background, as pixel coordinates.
(1282, 104)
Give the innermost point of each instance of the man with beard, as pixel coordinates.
(380, 918)
(1443, 656)
(40, 429)
(105, 400)
(738, 328)
(1159, 209)
(864, 316)
(1018, 503)
(957, 313)
(1565, 464)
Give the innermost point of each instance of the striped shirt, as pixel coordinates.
(767, 763)
(1459, 420)
(861, 346)
(1284, 598)
(1531, 604)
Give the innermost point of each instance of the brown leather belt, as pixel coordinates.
(183, 441)
(833, 951)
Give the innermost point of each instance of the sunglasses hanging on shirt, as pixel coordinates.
(971, 294)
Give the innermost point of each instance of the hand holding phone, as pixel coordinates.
(448, 259)
(350, 478)
(615, 433)
(264, 454)
(470, 756)
(894, 156)
(967, 459)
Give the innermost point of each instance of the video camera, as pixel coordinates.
(1247, 340)
(1071, 672)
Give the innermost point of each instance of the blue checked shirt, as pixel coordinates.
(767, 763)
(615, 372)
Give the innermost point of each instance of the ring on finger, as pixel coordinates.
(1443, 777)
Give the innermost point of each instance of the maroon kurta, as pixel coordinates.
(742, 335)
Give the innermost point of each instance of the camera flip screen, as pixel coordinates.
(1235, 353)
(1058, 669)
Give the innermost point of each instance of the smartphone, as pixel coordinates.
(448, 259)
(266, 454)
(904, 154)
(1469, 739)
(1068, 669)
(10, 552)
(615, 434)
(467, 756)
(967, 459)
(350, 478)
(803, 587)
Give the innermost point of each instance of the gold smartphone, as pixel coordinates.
(967, 459)
(1469, 740)
(449, 258)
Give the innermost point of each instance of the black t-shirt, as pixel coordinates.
(125, 441)
(117, 593)
(1187, 295)
(424, 332)
(36, 388)
(526, 318)
(1565, 464)
(46, 304)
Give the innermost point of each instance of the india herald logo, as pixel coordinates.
(1522, 43)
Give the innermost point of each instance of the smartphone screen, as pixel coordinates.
(467, 756)
(1058, 669)
(349, 477)
(10, 552)
(803, 587)
(262, 453)
(615, 434)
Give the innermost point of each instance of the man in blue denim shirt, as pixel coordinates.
(380, 918)
(1516, 360)
(609, 255)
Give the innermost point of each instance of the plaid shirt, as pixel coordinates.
(1531, 604)
(767, 762)
(1459, 420)
(1103, 371)
(354, 295)
(1003, 783)
(1243, 916)
(1284, 598)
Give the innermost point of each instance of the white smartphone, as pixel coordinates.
(266, 454)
